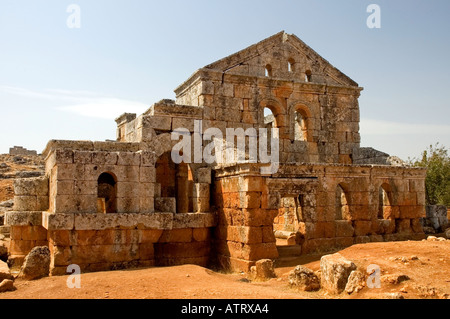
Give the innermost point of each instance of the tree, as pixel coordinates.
(437, 183)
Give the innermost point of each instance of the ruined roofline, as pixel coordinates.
(236, 59)
(104, 146)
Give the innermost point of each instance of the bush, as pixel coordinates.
(437, 161)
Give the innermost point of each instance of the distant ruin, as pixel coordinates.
(19, 150)
(111, 205)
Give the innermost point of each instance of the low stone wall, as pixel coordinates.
(98, 242)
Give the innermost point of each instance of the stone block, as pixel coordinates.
(31, 186)
(148, 159)
(344, 228)
(128, 189)
(104, 158)
(362, 228)
(204, 175)
(182, 250)
(176, 236)
(150, 236)
(403, 226)
(131, 173)
(65, 172)
(166, 205)
(129, 159)
(335, 271)
(147, 204)
(54, 222)
(201, 190)
(201, 205)
(240, 234)
(84, 188)
(183, 123)
(147, 174)
(37, 233)
(25, 203)
(197, 220)
(250, 199)
(64, 187)
(63, 156)
(23, 218)
(163, 123)
(82, 157)
(128, 204)
(201, 234)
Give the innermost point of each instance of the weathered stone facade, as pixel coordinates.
(109, 205)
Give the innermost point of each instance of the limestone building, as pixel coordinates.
(110, 205)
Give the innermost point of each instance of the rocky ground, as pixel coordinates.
(12, 167)
(409, 270)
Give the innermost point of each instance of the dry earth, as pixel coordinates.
(429, 278)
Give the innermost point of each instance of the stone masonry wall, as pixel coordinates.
(248, 205)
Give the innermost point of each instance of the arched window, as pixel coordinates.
(342, 206)
(269, 118)
(268, 70)
(384, 202)
(291, 64)
(308, 76)
(301, 123)
(107, 194)
(300, 127)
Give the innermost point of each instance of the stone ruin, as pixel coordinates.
(125, 203)
(19, 150)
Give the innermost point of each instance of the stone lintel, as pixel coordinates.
(23, 218)
(158, 221)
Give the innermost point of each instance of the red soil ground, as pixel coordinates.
(429, 278)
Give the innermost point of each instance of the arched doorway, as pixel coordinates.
(384, 202)
(107, 193)
(342, 211)
(176, 182)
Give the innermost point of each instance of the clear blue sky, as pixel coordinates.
(62, 83)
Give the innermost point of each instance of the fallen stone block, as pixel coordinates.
(335, 271)
(36, 264)
(304, 279)
(7, 285)
(356, 282)
(263, 270)
(5, 273)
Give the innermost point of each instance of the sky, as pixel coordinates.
(63, 82)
